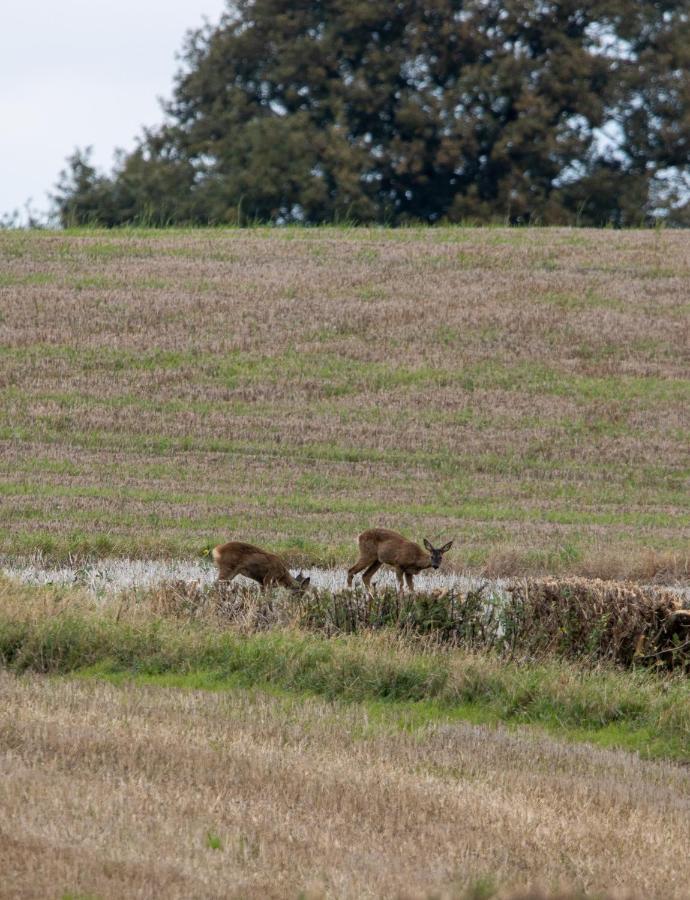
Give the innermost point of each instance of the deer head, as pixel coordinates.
(437, 554)
(301, 583)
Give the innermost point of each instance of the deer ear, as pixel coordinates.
(428, 545)
(306, 580)
(446, 547)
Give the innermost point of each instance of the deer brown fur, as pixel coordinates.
(379, 546)
(238, 558)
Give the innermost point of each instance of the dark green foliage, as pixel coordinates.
(372, 111)
(471, 619)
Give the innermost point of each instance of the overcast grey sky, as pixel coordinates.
(75, 73)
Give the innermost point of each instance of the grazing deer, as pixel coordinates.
(379, 545)
(238, 558)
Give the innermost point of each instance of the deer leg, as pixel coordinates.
(228, 574)
(257, 578)
(409, 578)
(369, 574)
(401, 583)
(362, 563)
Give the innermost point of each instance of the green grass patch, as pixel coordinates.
(339, 374)
(395, 713)
(9, 279)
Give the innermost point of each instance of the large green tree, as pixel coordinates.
(373, 110)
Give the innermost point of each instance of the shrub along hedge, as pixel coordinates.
(576, 618)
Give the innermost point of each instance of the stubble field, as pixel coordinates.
(142, 792)
(524, 392)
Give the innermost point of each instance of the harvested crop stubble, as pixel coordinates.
(523, 391)
(141, 792)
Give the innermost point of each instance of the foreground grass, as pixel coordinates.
(60, 632)
(180, 758)
(522, 391)
(139, 791)
(506, 700)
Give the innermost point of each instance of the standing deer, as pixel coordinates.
(379, 545)
(238, 558)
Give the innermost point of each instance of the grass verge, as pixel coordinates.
(61, 632)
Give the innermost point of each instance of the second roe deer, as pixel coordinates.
(238, 558)
(379, 545)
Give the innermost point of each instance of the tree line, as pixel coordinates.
(397, 111)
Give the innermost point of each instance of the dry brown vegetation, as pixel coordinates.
(590, 621)
(522, 391)
(620, 623)
(148, 792)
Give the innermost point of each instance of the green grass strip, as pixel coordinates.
(636, 710)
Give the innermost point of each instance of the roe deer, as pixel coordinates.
(379, 545)
(238, 558)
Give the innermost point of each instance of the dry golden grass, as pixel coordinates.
(523, 391)
(149, 792)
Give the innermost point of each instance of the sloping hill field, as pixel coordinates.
(524, 392)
